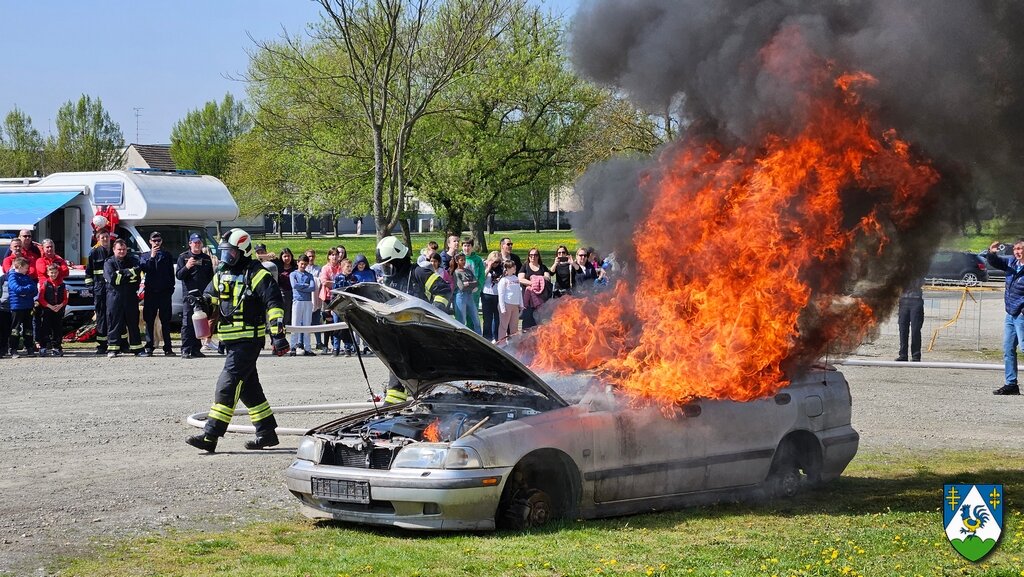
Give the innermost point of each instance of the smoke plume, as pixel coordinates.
(949, 75)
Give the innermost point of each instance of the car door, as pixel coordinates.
(740, 451)
(645, 452)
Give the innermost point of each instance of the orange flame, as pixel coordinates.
(432, 433)
(743, 265)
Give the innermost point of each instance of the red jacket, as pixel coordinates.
(51, 294)
(44, 261)
(9, 264)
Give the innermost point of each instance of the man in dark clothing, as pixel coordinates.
(122, 275)
(158, 265)
(246, 298)
(1013, 300)
(195, 271)
(507, 254)
(910, 320)
(94, 282)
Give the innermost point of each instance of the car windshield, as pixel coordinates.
(176, 236)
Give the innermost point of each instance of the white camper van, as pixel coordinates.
(61, 206)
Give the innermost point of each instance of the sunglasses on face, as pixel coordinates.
(534, 254)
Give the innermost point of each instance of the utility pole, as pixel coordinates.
(137, 110)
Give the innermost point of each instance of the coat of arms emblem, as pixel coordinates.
(973, 518)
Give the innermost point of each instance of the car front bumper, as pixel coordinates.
(432, 499)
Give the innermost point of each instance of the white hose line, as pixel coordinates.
(919, 365)
(327, 328)
(198, 420)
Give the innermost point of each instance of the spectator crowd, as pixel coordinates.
(496, 296)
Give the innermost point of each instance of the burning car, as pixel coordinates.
(485, 442)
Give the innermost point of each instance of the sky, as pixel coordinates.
(149, 62)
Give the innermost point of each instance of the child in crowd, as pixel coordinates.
(23, 291)
(53, 297)
(5, 316)
(362, 271)
(465, 284)
(343, 279)
(303, 284)
(510, 300)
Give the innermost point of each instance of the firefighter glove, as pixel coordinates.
(280, 344)
(197, 300)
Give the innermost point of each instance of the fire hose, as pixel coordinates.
(920, 365)
(198, 420)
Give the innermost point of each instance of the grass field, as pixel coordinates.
(546, 241)
(881, 518)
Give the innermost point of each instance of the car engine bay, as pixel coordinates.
(443, 414)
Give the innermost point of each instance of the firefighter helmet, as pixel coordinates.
(235, 245)
(390, 248)
(100, 222)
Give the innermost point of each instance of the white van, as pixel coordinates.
(61, 206)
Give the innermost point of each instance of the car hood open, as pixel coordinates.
(422, 346)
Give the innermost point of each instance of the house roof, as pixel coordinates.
(157, 156)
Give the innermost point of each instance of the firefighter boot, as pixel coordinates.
(269, 440)
(202, 441)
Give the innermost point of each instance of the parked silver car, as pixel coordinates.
(484, 442)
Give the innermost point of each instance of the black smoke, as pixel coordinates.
(949, 79)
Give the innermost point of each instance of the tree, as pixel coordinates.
(21, 146)
(513, 127)
(373, 70)
(87, 139)
(202, 140)
(259, 174)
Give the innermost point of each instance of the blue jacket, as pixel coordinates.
(303, 285)
(23, 290)
(159, 271)
(1013, 296)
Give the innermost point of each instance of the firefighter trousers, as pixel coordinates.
(123, 315)
(99, 301)
(239, 381)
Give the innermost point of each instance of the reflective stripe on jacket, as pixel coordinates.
(231, 294)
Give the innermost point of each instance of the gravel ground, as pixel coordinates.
(95, 449)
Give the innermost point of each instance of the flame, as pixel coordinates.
(432, 433)
(745, 266)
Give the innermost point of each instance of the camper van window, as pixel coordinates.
(175, 236)
(123, 233)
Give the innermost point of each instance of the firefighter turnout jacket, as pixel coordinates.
(94, 268)
(247, 298)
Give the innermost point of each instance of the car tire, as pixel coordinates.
(528, 509)
(970, 278)
(792, 470)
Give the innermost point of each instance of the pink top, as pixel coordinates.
(327, 274)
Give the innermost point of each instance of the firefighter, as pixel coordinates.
(95, 282)
(244, 299)
(122, 275)
(393, 256)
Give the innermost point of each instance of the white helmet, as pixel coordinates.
(99, 221)
(390, 248)
(235, 244)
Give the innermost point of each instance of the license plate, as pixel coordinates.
(341, 490)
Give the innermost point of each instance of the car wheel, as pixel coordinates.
(528, 509)
(970, 278)
(792, 469)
